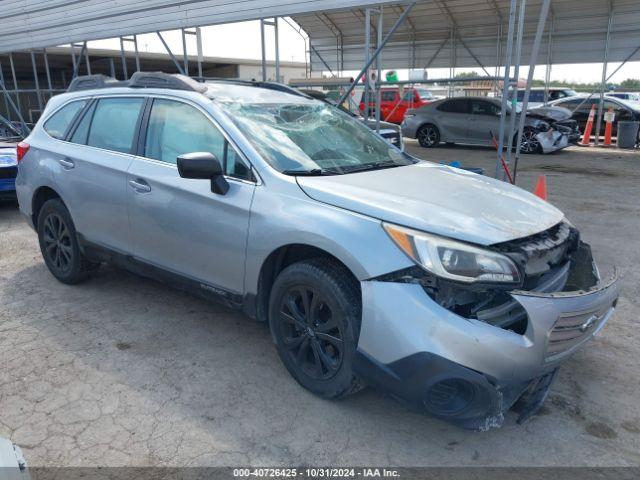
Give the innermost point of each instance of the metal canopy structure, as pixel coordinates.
(437, 31)
(413, 34)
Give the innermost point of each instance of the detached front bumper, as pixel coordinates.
(552, 140)
(464, 370)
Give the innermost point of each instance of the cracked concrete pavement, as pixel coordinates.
(124, 371)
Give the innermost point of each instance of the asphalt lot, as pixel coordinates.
(121, 370)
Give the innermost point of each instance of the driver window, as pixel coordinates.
(480, 107)
(176, 128)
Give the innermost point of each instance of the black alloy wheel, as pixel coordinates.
(57, 242)
(312, 336)
(314, 316)
(428, 136)
(529, 143)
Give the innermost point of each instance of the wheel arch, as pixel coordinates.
(41, 195)
(281, 258)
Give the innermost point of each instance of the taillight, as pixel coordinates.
(21, 150)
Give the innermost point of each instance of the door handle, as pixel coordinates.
(66, 163)
(140, 186)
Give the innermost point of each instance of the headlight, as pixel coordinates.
(453, 260)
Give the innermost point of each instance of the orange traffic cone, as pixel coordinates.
(586, 138)
(608, 117)
(541, 187)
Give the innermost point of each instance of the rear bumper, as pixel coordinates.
(420, 352)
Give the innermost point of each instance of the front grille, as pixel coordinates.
(8, 172)
(571, 329)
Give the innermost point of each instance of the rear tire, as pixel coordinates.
(314, 315)
(428, 135)
(59, 244)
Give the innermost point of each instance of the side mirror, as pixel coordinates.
(203, 165)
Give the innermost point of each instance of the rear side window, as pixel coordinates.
(113, 123)
(59, 122)
(456, 105)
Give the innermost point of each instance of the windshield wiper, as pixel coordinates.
(370, 166)
(314, 172)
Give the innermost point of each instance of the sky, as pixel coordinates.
(242, 40)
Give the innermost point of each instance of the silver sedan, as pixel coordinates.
(475, 121)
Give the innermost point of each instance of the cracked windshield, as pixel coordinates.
(314, 139)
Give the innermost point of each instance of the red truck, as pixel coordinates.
(393, 107)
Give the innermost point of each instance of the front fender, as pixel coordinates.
(284, 218)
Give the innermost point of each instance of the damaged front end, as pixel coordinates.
(515, 337)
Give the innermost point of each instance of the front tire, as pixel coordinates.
(529, 143)
(314, 315)
(59, 244)
(428, 136)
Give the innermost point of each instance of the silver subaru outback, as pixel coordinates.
(454, 292)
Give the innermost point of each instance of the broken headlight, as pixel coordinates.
(454, 260)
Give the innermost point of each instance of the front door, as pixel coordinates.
(178, 224)
(484, 120)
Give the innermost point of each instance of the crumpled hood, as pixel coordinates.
(554, 114)
(438, 199)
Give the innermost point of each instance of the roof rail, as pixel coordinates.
(280, 87)
(165, 80)
(89, 82)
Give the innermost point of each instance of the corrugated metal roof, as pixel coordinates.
(579, 28)
(28, 24)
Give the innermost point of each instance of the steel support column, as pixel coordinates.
(171, 55)
(76, 68)
(367, 60)
(386, 39)
(36, 80)
(277, 47)
(263, 50)
(46, 68)
(199, 48)
(86, 58)
(603, 82)
(15, 83)
(544, 11)
(378, 70)
(135, 48)
(123, 58)
(185, 56)
(547, 73)
(516, 74)
(6, 102)
(505, 85)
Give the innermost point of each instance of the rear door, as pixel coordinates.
(178, 224)
(453, 119)
(94, 168)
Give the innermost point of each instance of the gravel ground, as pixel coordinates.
(125, 371)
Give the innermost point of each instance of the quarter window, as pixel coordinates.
(176, 128)
(113, 124)
(60, 121)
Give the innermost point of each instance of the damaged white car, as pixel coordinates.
(476, 121)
